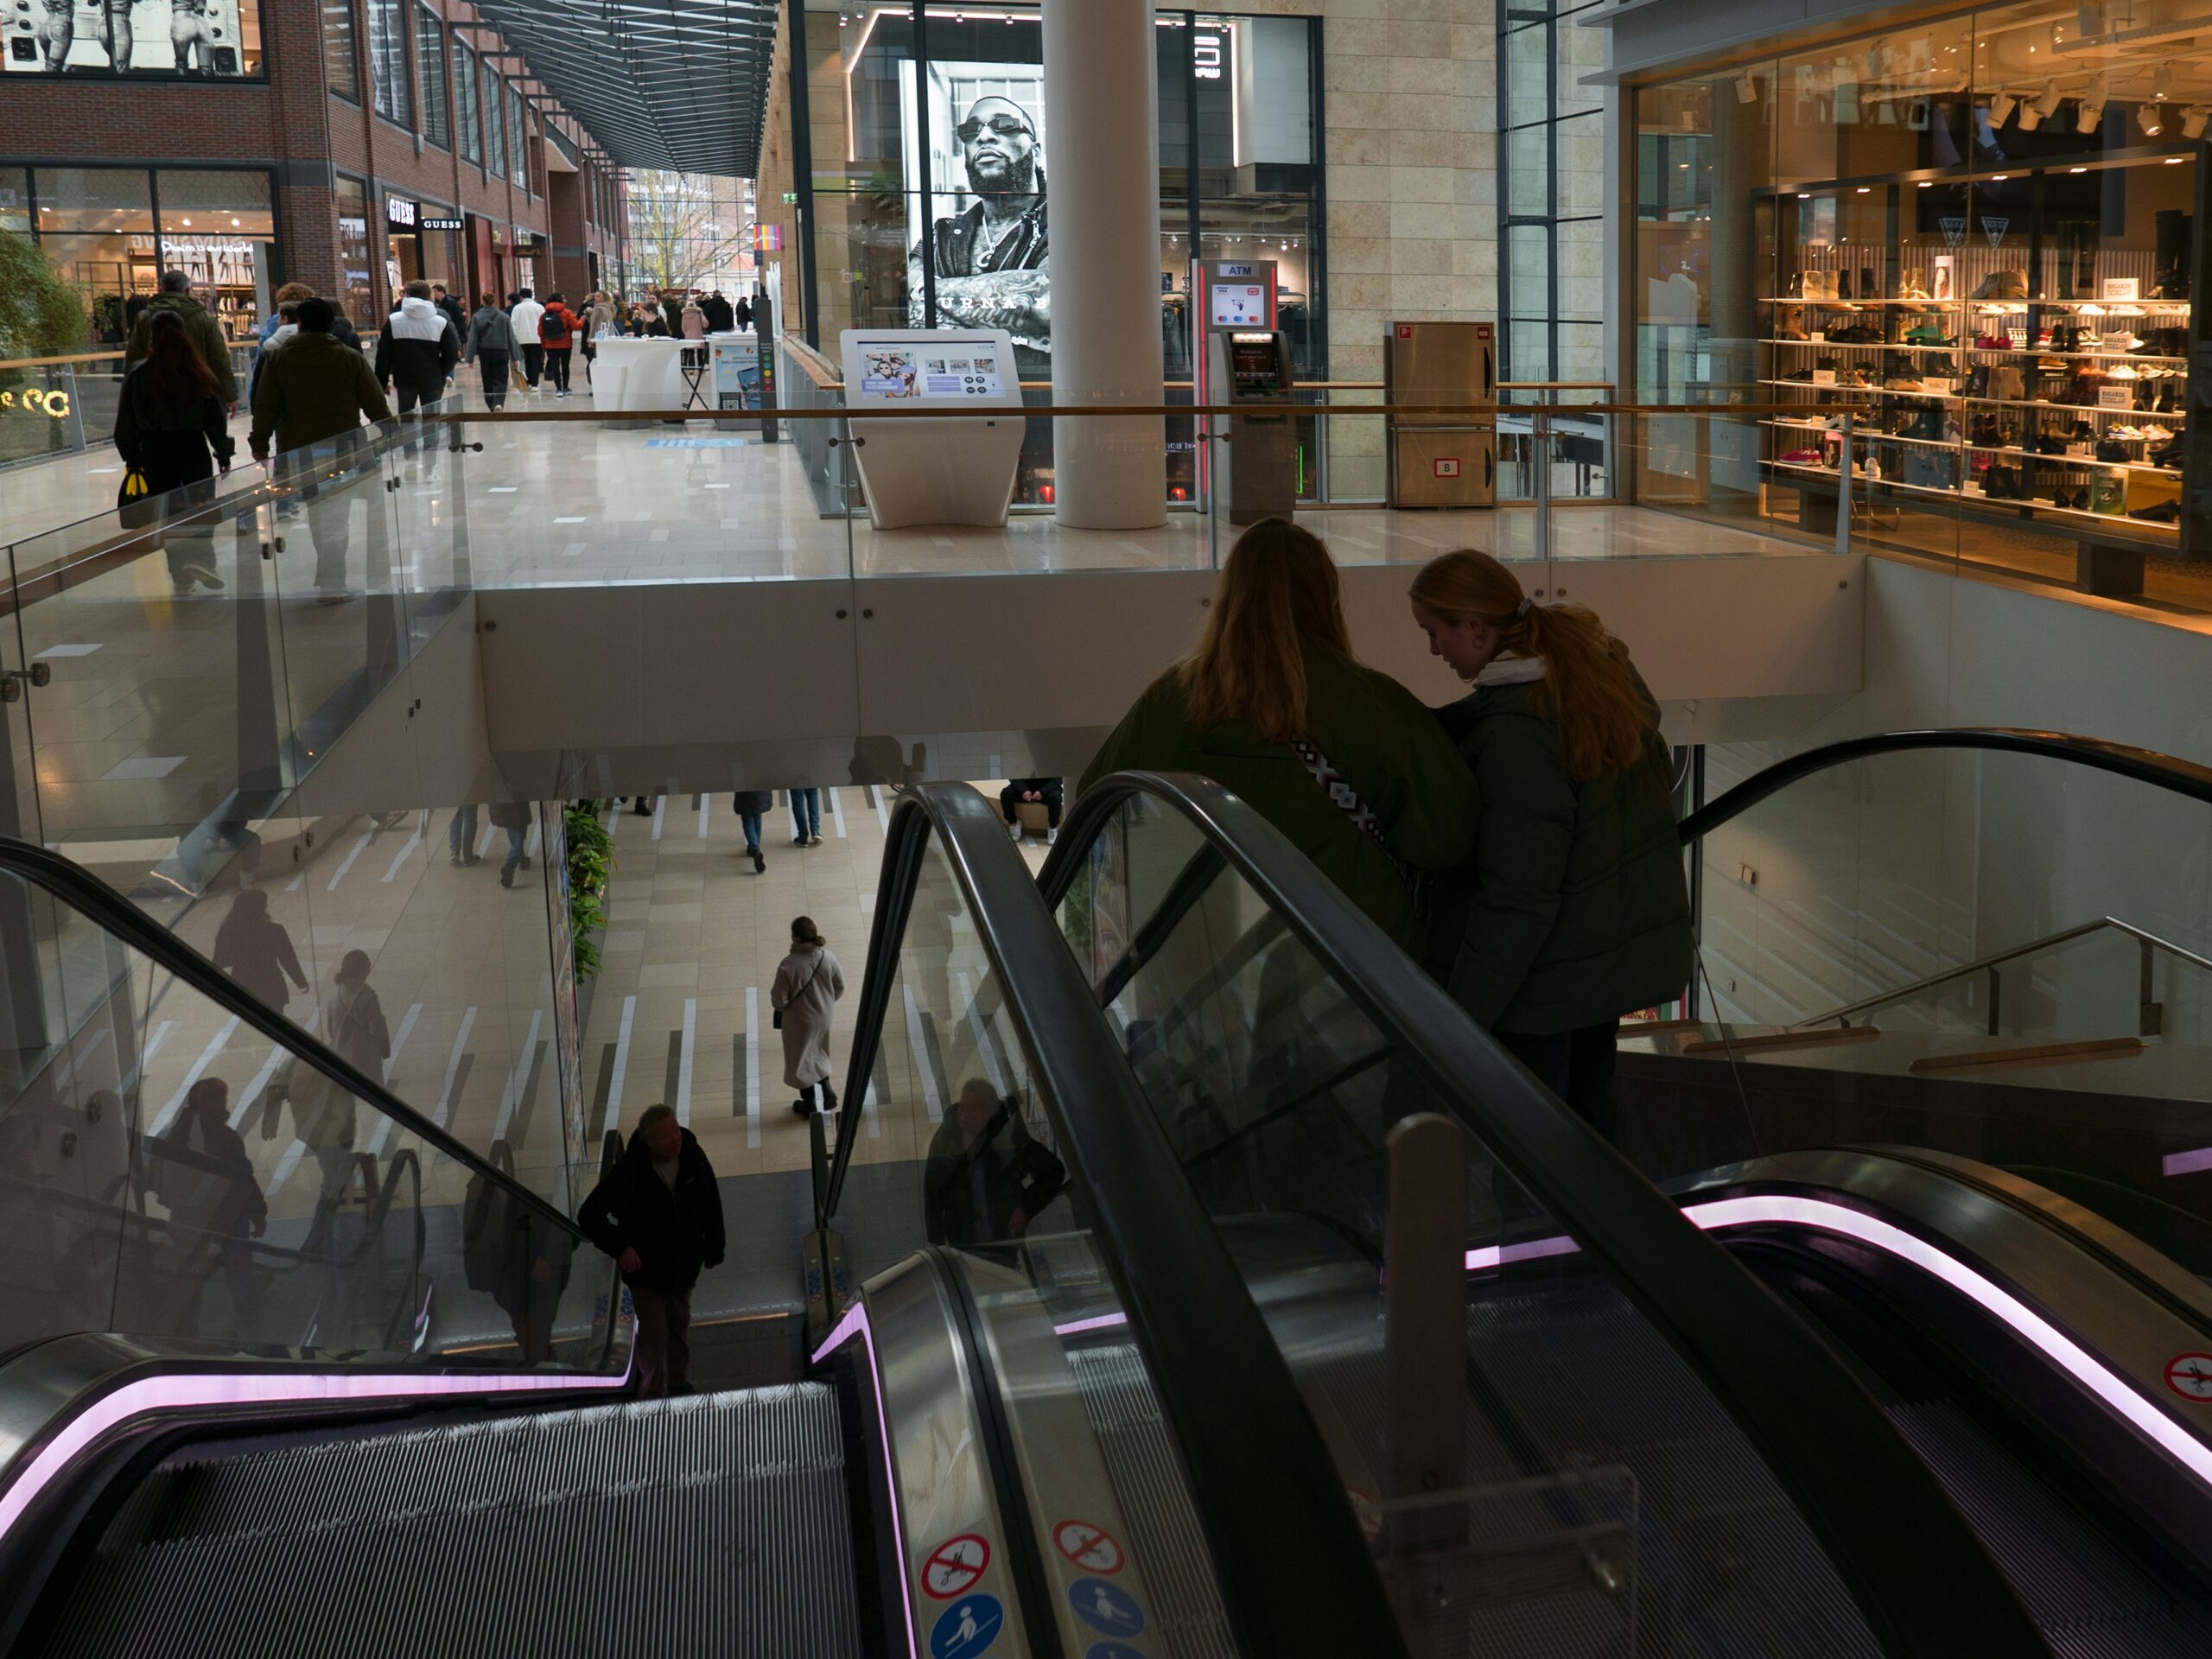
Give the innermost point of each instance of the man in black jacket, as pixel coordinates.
(659, 1213)
(416, 353)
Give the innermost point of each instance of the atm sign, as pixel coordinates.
(1448, 467)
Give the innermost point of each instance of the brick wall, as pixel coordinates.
(297, 125)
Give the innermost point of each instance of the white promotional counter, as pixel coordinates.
(636, 374)
(959, 470)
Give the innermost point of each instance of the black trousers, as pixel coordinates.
(533, 363)
(495, 379)
(556, 364)
(1051, 788)
(1577, 1066)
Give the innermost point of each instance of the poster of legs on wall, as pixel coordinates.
(217, 39)
(985, 237)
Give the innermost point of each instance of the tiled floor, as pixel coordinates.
(567, 501)
(680, 1012)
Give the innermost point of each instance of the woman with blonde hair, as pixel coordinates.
(1342, 759)
(1572, 909)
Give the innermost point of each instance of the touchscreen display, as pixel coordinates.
(891, 369)
(1238, 305)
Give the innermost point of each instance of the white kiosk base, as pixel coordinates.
(636, 374)
(956, 471)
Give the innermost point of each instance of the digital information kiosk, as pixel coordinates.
(959, 470)
(1256, 456)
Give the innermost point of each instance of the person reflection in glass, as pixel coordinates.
(985, 1179)
(992, 261)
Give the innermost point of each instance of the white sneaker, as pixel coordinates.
(1014, 829)
(1051, 837)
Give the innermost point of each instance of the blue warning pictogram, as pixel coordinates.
(1107, 1608)
(966, 1628)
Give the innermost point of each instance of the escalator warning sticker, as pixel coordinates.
(2191, 1376)
(955, 1565)
(1092, 1548)
(967, 1628)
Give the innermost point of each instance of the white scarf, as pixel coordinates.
(1509, 671)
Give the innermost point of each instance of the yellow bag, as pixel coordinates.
(133, 485)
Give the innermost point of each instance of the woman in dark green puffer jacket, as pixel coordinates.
(1573, 910)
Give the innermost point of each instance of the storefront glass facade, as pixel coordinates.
(355, 250)
(111, 231)
(1239, 169)
(1975, 235)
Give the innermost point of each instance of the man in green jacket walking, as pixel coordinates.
(204, 332)
(314, 391)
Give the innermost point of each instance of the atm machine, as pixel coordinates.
(1254, 456)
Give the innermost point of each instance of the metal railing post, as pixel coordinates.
(1843, 490)
(1541, 436)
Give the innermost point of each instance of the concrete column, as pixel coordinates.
(1102, 142)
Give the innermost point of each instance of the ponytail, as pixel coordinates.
(1589, 691)
(804, 932)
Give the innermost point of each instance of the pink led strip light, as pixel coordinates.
(1768, 1209)
(854, 1323)
(180, 1390)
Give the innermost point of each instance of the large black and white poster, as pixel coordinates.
(138, 37)
(983, 231)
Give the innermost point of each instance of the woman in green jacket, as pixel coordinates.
(1573, 910)
(1271, 698)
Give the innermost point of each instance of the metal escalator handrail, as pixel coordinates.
(91, 897)
(2033, 947)
(2122, 760)
(1920, 1577)
(1296, 1575)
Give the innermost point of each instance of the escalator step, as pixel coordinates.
(2089, 1596)
(717, 1523)
(1155, 1501)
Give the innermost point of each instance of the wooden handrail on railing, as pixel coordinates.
(894, 411)
(92, 356)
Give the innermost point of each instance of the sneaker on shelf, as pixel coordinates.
(2163, 512)
(2123, 371)
(2091, 309)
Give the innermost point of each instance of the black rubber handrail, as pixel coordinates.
(107, 908)
(1296, 1575)
(1920, 1577)
(2121, 759)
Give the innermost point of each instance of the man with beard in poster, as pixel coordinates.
(991, 260)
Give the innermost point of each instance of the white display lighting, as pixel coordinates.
(2001, 109)
(2192, 121)
(1747, 89)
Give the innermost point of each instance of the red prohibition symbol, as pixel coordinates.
(1091, 1548)
(955, 1565)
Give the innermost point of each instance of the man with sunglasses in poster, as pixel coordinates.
(991, 260)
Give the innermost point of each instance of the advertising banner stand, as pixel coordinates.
(959, 470)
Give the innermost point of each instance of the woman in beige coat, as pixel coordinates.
(808, 982)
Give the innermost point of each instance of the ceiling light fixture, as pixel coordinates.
(2047, 105)
(2148, 118)
(2001, 108)
(2093, 106)
(2162, 84)
(2192, 121)
(1747, 89)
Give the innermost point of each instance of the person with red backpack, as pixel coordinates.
(557, 330)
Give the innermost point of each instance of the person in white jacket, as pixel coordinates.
(523, 314)
(808, 982)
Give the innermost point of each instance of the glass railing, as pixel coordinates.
(1527, 1369)
(248, 707)
(1996, 947)
(183, 1168)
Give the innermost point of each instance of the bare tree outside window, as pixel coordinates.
(687, 230)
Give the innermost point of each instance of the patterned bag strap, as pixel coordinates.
(1339, 788)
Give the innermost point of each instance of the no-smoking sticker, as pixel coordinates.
(1091, 1548)
(2191, 1376)
(954, 1564)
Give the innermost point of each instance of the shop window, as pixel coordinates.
(517, 146)
(430, 73)
(216, 226)
(15, 199)
(495, 125)
(342, 55)
(388, 61)
(468, 120)
(215, 39)
(95, 227)
(355, 251)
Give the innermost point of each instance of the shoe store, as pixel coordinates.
(1959, 252)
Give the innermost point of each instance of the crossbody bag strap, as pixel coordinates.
(1348, 800)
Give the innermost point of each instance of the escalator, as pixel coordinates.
(1293, 1318)
(2032, 1352)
